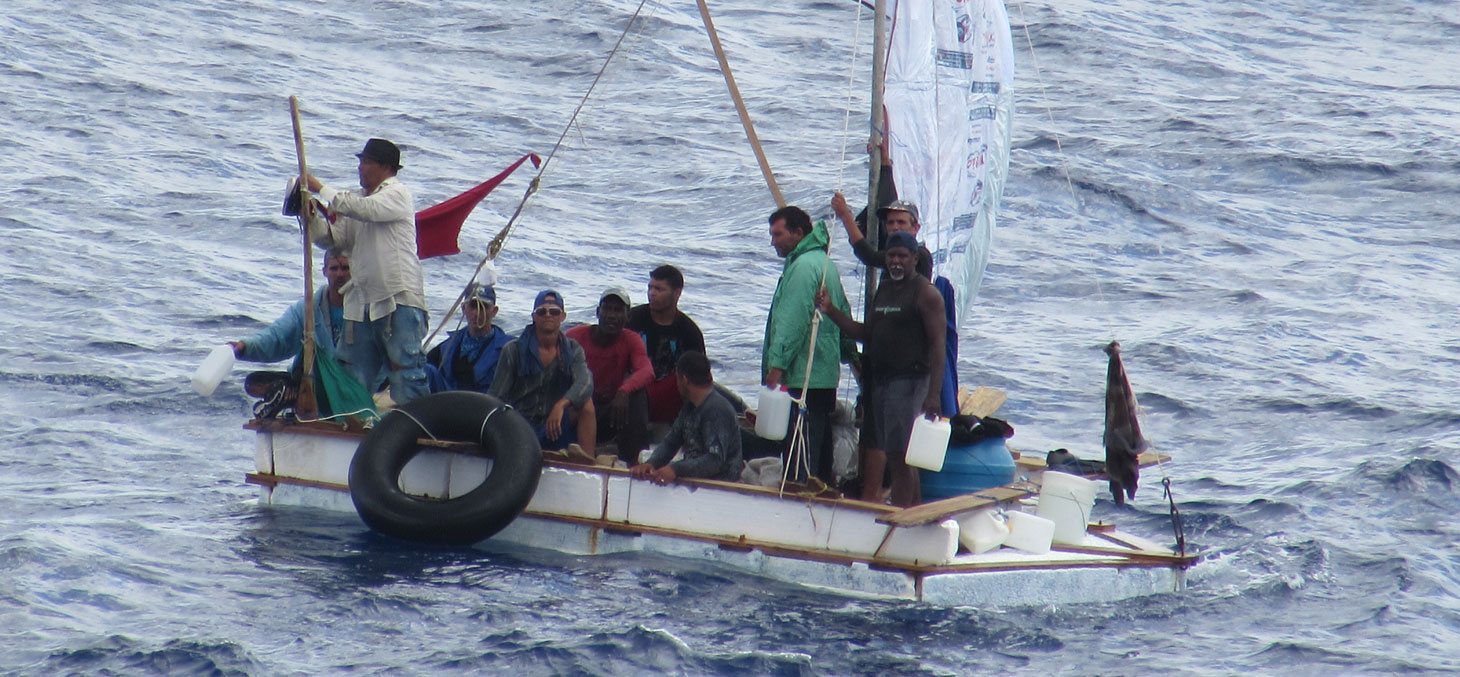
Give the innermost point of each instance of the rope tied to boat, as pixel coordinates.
(495, 246)
(1176, 523)
(419, 424)
(482, 431)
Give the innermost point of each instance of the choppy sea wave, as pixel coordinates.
(1257, 201)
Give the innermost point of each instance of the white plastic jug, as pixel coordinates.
(928, 443)
(1067, 500)
(982, 531)
(211, 372)
(1030, 533)
(773, 414)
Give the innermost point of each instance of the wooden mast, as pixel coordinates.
(879, 122)
(306, 406)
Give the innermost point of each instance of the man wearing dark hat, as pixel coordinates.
(467, 359)
(621, 370)
(903, 336)
(544, 376)
(385, 302)
(901, 216)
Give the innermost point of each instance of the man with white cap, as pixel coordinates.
(542, 374)
(467, 359)
(385, 302)
(621, 369)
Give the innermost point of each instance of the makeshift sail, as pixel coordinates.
(950, 103)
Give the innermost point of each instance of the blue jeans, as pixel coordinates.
(389, 346)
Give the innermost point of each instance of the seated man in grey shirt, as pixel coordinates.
(705, 429)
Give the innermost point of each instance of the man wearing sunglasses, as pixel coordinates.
(544, 376)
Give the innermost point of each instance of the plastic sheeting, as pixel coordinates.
(950, 103)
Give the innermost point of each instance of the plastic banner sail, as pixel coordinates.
(950, 103)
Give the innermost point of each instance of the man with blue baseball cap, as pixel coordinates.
(544, 376)
(467, 359)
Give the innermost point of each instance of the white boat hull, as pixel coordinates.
(836, 545)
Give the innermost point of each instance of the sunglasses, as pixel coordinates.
(548, 311)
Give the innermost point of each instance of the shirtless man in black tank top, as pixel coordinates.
(904, 366)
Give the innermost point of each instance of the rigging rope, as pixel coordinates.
(1176, 521)
(851, 82)
(495, 246)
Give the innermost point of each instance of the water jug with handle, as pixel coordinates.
(211, 372)
(928, 443)
(773, 414)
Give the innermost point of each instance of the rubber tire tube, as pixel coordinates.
(458, 416)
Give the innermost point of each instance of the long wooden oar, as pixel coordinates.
(306, 406)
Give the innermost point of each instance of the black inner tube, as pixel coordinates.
(461, 416)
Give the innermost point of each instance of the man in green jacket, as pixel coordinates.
(788, 333)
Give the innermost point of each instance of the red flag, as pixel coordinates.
(438, 226)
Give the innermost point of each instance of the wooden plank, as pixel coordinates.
(1146, 460)
(264, 480)
(737, 487)
(1117, 562)
(938, 511)
(1143, 555)
(981, 401)
(739, 543)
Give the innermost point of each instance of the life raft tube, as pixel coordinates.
(502, 433)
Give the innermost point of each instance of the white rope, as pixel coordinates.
(1049, 112)
(851, 82)
(1079, 210)
(497, 242)
(331, 417)
(797, 450)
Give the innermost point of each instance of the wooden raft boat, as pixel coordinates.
(846, 546)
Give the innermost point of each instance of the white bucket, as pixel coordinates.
(1030, 533)
(1067, 500)
(928, 443)
(211, 372)
(773, 414)
(982, 531)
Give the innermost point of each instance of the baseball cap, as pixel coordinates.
(900, 206)
(618, 293)
(547, 297)
(484, 293)
(902, 239)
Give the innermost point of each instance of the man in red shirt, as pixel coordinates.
(620, 368)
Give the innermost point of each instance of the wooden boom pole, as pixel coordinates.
(765, 165)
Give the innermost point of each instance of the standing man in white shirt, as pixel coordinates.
(385, 301)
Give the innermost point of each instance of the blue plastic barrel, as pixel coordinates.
(969, 469)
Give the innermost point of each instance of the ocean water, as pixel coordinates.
(1258, 200)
